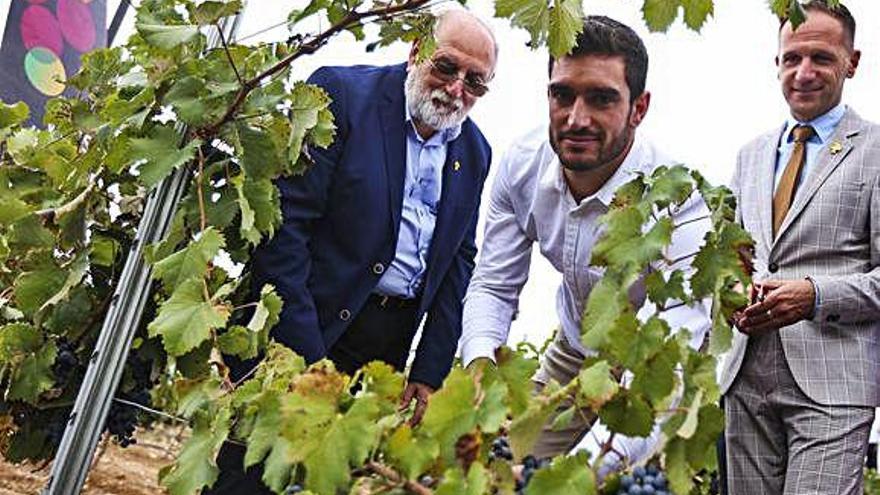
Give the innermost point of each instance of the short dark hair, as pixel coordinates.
(838, 11)
(604, 36)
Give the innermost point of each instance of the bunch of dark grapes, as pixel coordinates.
(644, 481)
(65, 362)
(121, 423)
(530, 465)
(500, 450)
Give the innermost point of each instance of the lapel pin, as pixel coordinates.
(835, 147)
(456, 165)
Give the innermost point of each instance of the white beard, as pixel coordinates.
(420, 100)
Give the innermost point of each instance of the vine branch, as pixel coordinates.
(395, 477)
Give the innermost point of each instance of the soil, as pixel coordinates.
(133, 470)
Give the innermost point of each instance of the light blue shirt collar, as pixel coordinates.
(824, 125)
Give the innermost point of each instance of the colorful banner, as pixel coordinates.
(42, 46)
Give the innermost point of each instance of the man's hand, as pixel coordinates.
(778, 303)
(420, 393)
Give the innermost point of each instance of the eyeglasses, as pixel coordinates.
(448, 72)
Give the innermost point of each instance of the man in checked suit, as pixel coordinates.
(802, 380)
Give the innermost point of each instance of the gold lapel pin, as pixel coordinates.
(456, 165)
(835, 147)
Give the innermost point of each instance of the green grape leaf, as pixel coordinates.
(33, 375)
(450, 413)
(380, 379)
(534, 17)
(660, 290)
(669, 186)
(655, 378)
(212, 11)
(238, 341)
(689, 427)
(33, 289)
(697, 12)
(276, 469)
(563, 419)
(526, 428)
(191, 262)
(678, 471)
(266, 433)
(413, 455)
(14, 114)
(628, 414)
(597, 385)
(161, 154)
(188, 98)
(456, 483)
(492, 410)
(660, 14)
(16, 340)
(260, 155)
(76, 271)
(266, 315)
(566, 22)
(607, 302)
(308, 111)
(796, 14)
(265, 203)
(701, 453)
(103, 250)
(195, 467)
(347, 441)
(514, 369)
(186, 319)
(165, 36)
(567, 475)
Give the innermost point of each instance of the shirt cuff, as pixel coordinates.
(816, 298)
(478, 347)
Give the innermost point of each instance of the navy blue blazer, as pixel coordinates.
(341, 220)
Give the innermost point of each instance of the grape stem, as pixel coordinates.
(395, 477)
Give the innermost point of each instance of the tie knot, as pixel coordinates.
(802, 133)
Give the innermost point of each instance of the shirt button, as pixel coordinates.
(345, 315)
(773, 267)
(378, 268)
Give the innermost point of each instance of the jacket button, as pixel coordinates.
(378, 268)
(344, 315)
(773, 267)
(832, 318)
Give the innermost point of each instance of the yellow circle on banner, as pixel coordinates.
(45, 71)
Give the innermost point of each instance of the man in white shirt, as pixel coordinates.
(553, 191)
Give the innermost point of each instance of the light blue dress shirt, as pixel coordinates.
(824, 125)
(421, 198)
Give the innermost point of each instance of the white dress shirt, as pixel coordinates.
(531, 203)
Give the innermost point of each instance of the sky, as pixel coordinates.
(711, 91)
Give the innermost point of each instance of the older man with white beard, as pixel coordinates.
(379, 233)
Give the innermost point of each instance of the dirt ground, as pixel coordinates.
(130, 471)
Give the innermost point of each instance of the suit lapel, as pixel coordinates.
(392, 116)
(453, 170)
(766, 175)
(826, 163)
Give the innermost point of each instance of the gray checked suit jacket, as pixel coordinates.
(832, 235)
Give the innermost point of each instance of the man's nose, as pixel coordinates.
(805, 70)
(580, 115)
(455, 87)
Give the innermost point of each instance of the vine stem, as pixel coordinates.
(351, 19)
(395, 477)
(228, 55)
(203, 217)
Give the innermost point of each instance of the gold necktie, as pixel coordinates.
(786, 188)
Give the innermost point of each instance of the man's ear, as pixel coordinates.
(413, 53)
(854, 58)
(639, 108)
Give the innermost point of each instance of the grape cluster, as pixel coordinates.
(530, 465)
(123, 418)
(500, 450)
(66, 362)
(644, 481)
